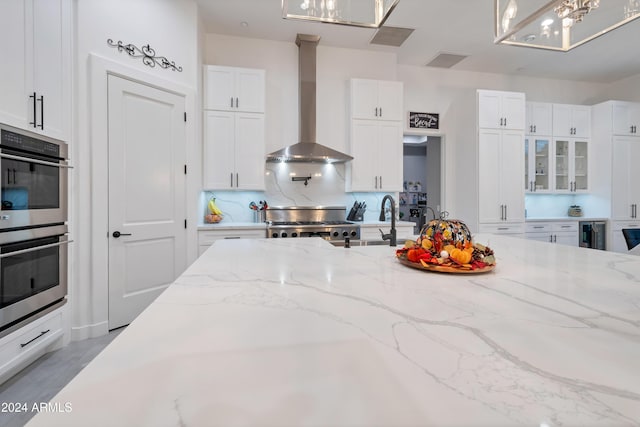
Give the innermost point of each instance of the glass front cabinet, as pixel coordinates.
(537, 160)
(571, 160)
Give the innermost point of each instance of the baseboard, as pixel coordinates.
(79, 333)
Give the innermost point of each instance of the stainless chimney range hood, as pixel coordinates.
(307, 150)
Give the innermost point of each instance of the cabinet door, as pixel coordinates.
(490, 207)
(489, 110)
(50, 75)
(539, 118)
(390, 156)
(511, 169)
(250, 90)
(562, 120)
(626, 118)
(537, 164)
(219, 145)
(625, 177)
(569, 238)
(390, 100)
(364, 99)
(580, 165)
(219, 88)
(581, 121)
(249, 151)
(513, 110)
(365, 152)
(15, 81)
(562, 181)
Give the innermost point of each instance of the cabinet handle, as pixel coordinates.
(380, 181)
(231, 99)
(551, 238)
(376, 112)
(501, 119)
(538, 226)
(503, 228)
(530, 129)
(631, 129)
(231, 179)
(535, 128)
(41, 125)
(505, 212)
(34, 110)
(555, 238)
(236, 102)
(501, 212)
(505, 121)
(237, 180)
(24, 344)
(380, 111)
(376, 181)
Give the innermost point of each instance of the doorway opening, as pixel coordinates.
(423, 179)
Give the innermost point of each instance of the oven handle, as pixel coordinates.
(30, 160)
(36, 248)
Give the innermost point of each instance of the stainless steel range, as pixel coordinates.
(327, 222)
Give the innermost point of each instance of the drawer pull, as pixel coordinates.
(538, 226)
(33, 339)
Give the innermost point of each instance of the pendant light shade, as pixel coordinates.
(358, 13)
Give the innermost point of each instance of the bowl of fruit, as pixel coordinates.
(215, 214)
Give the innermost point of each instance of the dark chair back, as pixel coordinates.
(631, 236)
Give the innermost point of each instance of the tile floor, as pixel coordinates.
(42, 380)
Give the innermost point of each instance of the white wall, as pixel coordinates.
(171, 28)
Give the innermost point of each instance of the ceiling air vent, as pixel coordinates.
(391, 36)
(445, 60)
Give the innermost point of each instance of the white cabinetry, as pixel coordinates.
(617, 242)
(26, 344)
(376, 148)
(233, 151)
(375, 136)
(539, 118)
(625, 188)
(571, 165)
(501, 167)
(234, 128)
(234, 89)
(537, 162)
(206, 238)
(36, 54)
(561, 232)
(626, 118)
(376, 99)
(501, 110)
(571, 120)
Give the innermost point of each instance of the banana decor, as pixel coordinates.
(215, 214)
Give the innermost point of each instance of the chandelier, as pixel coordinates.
(358, 13)
(559, 24)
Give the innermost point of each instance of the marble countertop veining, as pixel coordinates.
(296, 332)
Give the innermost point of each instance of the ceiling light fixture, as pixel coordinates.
(361, 13)
(559, 25)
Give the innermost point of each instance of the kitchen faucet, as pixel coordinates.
(391, 237)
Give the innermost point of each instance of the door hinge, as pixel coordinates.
(185, 223)
(185, 169)
(185, 116)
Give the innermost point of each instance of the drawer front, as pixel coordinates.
(565, 226)
(208, 237)
(502, 228)
(538, 227)
(619, 225)
(34, 337)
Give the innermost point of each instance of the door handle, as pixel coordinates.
(236, 102)
(380, 111)
(237, 180)
(380, 181)
(535, 128)
(35, 120)
(41, 125)
(376, 181)
(117, 234)
(376, 112)
(505, 212)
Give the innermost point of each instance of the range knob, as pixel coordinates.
(335, 234)
(294, 234)
(353, 233)
(274, 235)
(284, 234)
(345, 233)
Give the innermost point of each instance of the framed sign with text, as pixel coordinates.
(424, 120)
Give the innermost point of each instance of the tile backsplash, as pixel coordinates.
(324, 188)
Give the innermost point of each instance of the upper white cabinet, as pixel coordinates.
(538, 118)
(233, 151)
(376, 99)
(234, 128)
(501, 110)
(36, 53)
(376, 148)
(234, 89)
(500, 167)
(537, 163)
(571, 120)
(625, 191)
(570, 165)
(626, 118)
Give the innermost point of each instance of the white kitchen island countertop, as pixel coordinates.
(296, 332)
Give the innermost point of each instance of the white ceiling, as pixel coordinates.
(452, 26)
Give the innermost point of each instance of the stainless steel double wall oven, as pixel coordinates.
(33, 229)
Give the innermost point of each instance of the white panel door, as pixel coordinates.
(17, 44)
(489, 109)
(219, 88)
(249, 151)
(490, 203)
(390, 156)
(390, 100)
(218, 167)
(511, 169)
(513, 110)
(146, 196)
(250, 90)
(364, 99)
(364, 149)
